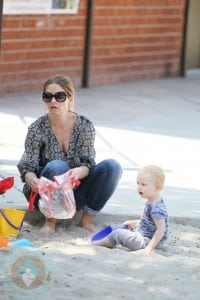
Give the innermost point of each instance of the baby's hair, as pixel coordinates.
(156, 172)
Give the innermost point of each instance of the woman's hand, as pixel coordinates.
(34, 186)
(78, 173)
(32, 180)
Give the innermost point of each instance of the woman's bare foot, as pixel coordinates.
(86, 222)
(49, 226)
(89, 227)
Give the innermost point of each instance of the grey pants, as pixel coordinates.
(133, 240)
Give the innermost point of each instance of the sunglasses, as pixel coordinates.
(59, 96)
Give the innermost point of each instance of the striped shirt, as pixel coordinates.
(147, 227)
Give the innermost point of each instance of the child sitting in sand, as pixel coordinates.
(151, 230)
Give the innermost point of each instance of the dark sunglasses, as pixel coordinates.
(59, 96)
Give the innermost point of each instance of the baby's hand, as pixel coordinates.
(131, 223)
(145, 251)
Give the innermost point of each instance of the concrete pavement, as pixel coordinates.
(145, 122)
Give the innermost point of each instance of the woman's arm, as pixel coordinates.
(84, 153)
(28, 165)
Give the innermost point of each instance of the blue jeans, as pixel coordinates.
(95, 190)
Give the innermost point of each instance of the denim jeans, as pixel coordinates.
(94, 190)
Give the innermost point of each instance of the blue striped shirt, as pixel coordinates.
(147, 227)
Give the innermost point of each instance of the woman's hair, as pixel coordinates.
(67, 85)
(155, 172)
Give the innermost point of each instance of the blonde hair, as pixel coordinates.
(155, 172)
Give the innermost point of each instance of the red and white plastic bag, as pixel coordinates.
(57, 197)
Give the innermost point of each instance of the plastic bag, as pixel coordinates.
(57, 197)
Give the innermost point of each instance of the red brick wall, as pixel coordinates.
(136, 39)
(35, 47)
(131, 39)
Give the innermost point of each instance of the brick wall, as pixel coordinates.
(35, 47)
(131, 39)
(136, 39)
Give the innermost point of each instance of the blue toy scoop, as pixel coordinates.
(101, 234)
(22, 243)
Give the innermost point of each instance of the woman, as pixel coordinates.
(62, 141)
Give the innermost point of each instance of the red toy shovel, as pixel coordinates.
(6, 184)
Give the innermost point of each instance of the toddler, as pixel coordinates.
(151, 230)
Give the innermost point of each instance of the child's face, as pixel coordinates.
(147, 187)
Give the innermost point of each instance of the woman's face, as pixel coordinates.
(58, 99)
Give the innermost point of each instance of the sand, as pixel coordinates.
(67, 266)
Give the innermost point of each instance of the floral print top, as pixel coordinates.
(41, 146)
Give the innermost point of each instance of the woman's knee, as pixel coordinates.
(112, 167)
(54, 167)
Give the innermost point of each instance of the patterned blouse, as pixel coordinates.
(41, 146)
